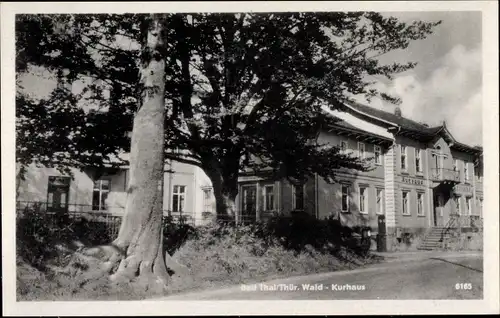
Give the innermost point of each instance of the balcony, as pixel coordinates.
(445, 175)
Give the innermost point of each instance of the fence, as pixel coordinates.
(73, 214)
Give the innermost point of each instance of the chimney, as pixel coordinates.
(397, 112)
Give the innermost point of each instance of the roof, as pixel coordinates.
(403, 122)
(411, 125)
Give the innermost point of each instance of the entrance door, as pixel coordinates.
(438, 210)
(58, 194)
(249, 204)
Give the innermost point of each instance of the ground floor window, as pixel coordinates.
(178, 198)
(100, 194)
(363, 200)
(380, 201)
(406, 209)
(345, 198)
(420, 204)
(268, 198)
(207, 200)
(298, 197)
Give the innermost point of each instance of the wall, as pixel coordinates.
(35, 186)
(352, 146)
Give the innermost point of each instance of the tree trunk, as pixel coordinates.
(225, 192)
(140, 239)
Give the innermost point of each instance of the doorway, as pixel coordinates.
(438, 210)
(58, 194)
(249, 204)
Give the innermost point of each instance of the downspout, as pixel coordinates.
(316, 199)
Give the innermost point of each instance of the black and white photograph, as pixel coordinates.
(235, 155)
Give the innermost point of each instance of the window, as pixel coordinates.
(403, 158)
(455, 165)
(380, 201)
(361, 150)
(378, 155)
(58, 193)
(178, 198)
(343, 146)
(457, 204)
(268, 198)
(420, 204)
(466, 171)
(418, 160)
(298, 197)
(481, 207)
(468, 203)
(363, 200)
(406, 210)
(100, 194)
(207, 200)
(345, 198)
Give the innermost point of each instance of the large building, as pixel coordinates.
(421, 177)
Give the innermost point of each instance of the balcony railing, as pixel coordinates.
(442, 174)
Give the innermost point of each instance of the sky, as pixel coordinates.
(446, 85)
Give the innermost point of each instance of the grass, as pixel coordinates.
(215, 256)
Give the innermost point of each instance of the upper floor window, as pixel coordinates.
(404, 164)
(345, 198)
(100, 194)
(361, 150)
(378, 154)
(455, 165)
(363, 200)
(418, 160)
(298, 197)
(178, 198)
(269, 198)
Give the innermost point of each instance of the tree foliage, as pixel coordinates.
(244, 91)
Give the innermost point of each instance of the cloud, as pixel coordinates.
(451, 92)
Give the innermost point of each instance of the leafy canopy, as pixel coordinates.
(243, 91)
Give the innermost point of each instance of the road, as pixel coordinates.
(404, 276)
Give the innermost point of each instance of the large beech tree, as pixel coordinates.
(233, 92)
